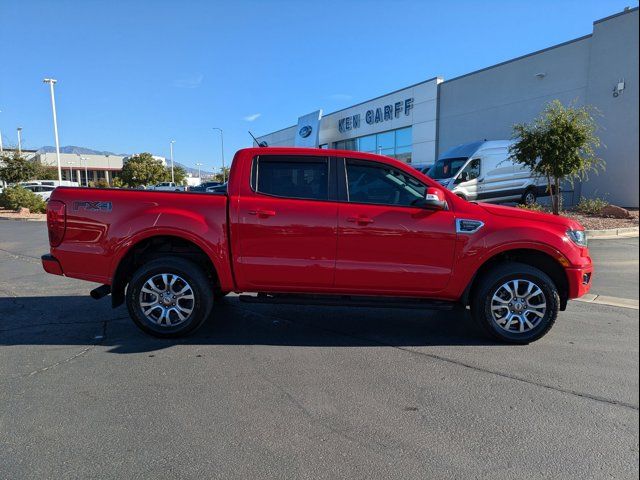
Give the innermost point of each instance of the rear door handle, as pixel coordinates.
(262, 213)
(361, 220)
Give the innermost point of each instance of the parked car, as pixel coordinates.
(167, 186)
(422, 167)
(484, 171)
(203, 186)
(54, 183)
(43, 191)
(309, 226)
(217, 189)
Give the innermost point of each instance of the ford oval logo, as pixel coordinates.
(305, 131)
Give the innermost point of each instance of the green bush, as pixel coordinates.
(100, 183)
(14, 198)
(591, 206)
(534, 207)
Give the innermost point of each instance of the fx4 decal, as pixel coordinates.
(92, 206)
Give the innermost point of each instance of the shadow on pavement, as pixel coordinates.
(79, 320)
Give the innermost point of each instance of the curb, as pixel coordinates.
(610, 301)
(613, 233)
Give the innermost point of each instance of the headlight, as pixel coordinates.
(579, 237)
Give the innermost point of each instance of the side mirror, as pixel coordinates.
(434, 199)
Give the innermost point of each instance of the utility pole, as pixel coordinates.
(224, 175)
(51, 82)
(171, 149)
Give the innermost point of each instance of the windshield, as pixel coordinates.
(446, 168)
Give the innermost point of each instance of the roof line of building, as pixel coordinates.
(624, 12)
(537, 52)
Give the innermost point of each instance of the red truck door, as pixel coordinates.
(287, 224)
(386, 245)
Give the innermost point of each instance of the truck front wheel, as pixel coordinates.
(515, 303)
(169, 297)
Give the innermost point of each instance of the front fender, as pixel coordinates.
(474, 251)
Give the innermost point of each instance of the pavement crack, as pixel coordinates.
(588, 396)
(18, 256)
(47, 324)
(100, 339)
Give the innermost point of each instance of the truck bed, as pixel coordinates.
(103, 224)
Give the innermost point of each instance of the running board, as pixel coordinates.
(348, 301)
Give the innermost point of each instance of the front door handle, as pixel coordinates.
(361, 220)
(262, 213)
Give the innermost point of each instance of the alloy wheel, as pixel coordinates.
(166, 299)
(518, 306)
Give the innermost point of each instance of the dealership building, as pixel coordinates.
(417, 123)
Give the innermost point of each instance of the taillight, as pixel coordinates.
(56, 221)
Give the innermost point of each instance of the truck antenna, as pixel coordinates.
(260, 144)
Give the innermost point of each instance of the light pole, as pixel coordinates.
(51, 82)
(19, 140)
(171, 149)
(199, 176)
(83, 160)
(224, 176)
(70, 171)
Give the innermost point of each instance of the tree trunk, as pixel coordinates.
(554, 200)
(558, 197)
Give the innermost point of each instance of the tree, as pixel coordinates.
(559, 145)
(179, 175)
(222, 175)
(142, 169)
(15, 168)
(45, 173)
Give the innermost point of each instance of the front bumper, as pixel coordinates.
(580, 280)
(51, 264)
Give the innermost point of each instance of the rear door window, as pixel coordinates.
(301, 177)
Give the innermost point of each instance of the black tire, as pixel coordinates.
(189, 274)
(490, 284)
(219, 295)
(529, 197)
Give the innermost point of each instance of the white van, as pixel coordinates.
(482, 171)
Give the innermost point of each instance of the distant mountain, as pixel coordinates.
(78, 151)
(192, 171)
(88, 151)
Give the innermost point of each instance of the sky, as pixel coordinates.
(134, 75)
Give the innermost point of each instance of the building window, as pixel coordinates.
(395, 143)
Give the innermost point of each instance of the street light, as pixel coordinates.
(199, 176)
(19, 140)
(86, 176)
(51, 82)
(224, 177)
(70, 171)
(171, 149)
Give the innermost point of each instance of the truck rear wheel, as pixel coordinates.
(169, 297)
(515, 303)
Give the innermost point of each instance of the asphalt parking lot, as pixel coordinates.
(305, 392)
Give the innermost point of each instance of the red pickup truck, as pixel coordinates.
(321, 227)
